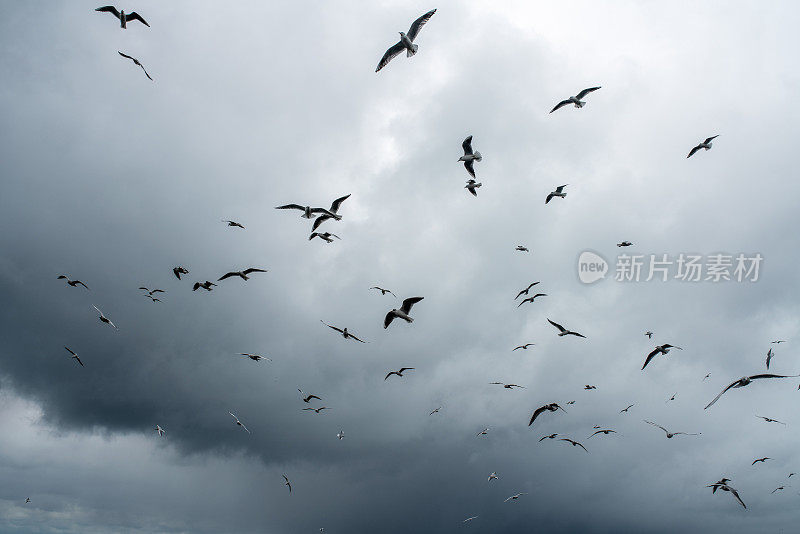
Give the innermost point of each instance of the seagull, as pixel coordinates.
(576, 100)
(470, 518)
(704, 378)
(73, 283)
(522, 248)
(472, 186)
(625, 244)
(515, 497)
(587, 386)
(531, 299)
(309, 397)
(778, 488)
(705, 144)
(523, 347)
(406, 41)
(551, 436)
(525, 291)
(779, 341)
(27, 500)
(308, 211)
(75, 356)
(574, 443)
(340, 435)
(559, 192)
(384, 291)
(317, 410)
(178, 271)
(153, 298)
(122, 16)
(552, 407)
(287, 483)
(625, 410)
(672, 398)
(345, 333)
(723, 485)
(768, 420)
(790, 475)
(606, 432)
(402, 313)
(482, 432)
(332, 213)
(159, 430)
(571, 402)
(493, 476)
(327, 236)
(239, 422)
(205, 285)
(660, 349)
(399, 373)
(435, 411)
(744, 381)
(241, 274)
(469, 158)
(649, 334)
(670, 434)
(507, 386)
(233, 223)
(103, 318)
(149, 292)
(762, 460)
(255, 357)
(136, 62)
(770, 354)
(563, 331)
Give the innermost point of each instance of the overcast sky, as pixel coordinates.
(112, 179)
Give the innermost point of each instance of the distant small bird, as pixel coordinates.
(238, 423)
(242, 274)
(332, 213)
(482, 432)
(660, 349)
(522, 248)
(531, 299)
(472, 186)
(317, 410)
(777, 489)
(551, 436)
(515, 497)
(705, 144)
(605, 432)
(770, 354)
(525, 291)
(205, 285)
(470, 518)
(723, 485)
(523, 347)
(384, 291)
(768, 420)
(406, 41)
(552, 407)
(469, 158)
(255, 357)
(672, 398)
(75, 356)
(506, 386)
(670, 434)
(649, 334)
(745, 381)
(307, 398)
(574, 443)
(402, 313)
(233, 223)
(790, 475)
(159, 430)
(625, 410)
(73, 283)
(576, 100)
(563, 331)
(493, 476)
(704, 378)
(779, 341)
(151, 292)
(340, 435)
(103, 318)
(326, 236)
(625, 244)
(762, 460)
(135, 62)
(399, 373)
(27, 500)
(178, 271)
(571, 402)
(559, 192)
(587, 386)
(344, 332)
(435, 411)
(122, 16)
(287, 483)
(154, 299)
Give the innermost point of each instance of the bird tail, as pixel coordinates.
(411, 51)
(478, 156)
(579, 104)
(409, 319)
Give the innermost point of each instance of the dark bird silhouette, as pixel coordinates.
(178, 271)
(72, 283)
(402, 313)
(135, 62)
(525, 291)
(332, 213)
(523, 347)
(660, 349)
(574, 443)
(233, 223)
(383, 291)
(551, 436)
(406, 41)
(289, 484)
(75, 356)
(552, 407)
(398, 373)
(531, 299)
(563, 331)
(762, 460)
(705, 144)
(576, 100)
(745, 381)
(122, 16)
(242, 274)
(205, 285)
(344, 332)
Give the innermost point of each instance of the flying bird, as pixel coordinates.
(135, 62)
(762, 460)
(344, 332)
(704, 378)
(398, 373)
(402, 313)
(669, 434)
(317, 410)
(178, 271)
(469, 158)
(406, 41)
(531, 299)
(308, 397)
(159, 430)
(506, 386)
(723, 485)
(122, 16)
(103, 318)
(559, 192)
(493, 476)
(523, 347)
(625, 410)
(563, 331)
(576, 100)
(75, 356)
(233, 223)
(287, 483)
(73, 283)
(515, 497)
(308, 211)
(28, 499)
(778, 488)
(768, 420)
(340, 435)
(205, 285)
(522, 248)
(770, 354)
(779, 341)
(744, 381)
(574, 443)
(570, 402)
(552, 407)
(239, 423)
(587, 386)
(241, 274)
(660, 349)
(327, 236)
(672, 398)
(482, 432)
(551, 436)
(255, 357)
(332, 213)
(525, 291)
(625, 244)
(470, 518)
(705, 144)
(435, 411)
(649, 334)
(384, 291)
(151, 292)
(472, 186)
(605, 432)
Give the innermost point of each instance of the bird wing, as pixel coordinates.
(561, 105)
(176, 272)
(579, 445)
(228, 275)
(560, 188)
(291, 207)
(98, 309)
(523, 292)
(109, 9)
(519, 347)
(536, 414)
(523, 301)
(337, 203)
(136, 16)
(654, 424)
(560, 328)
(70, 351)
(390, 374)
(472, 190)
(157, 291)
(470, 166)
(390, 54)
(736, 494)
(549, 198)
(196, 286)
(253, 270)
(319, 220)
(408, 303)
(586, 92)
(768, 375)
(721, 392)
(313, 397)
(467, 146)
(709, 139)
(356, 338)
(126, 55)
(331, 326)
(649, 357)
(404, 369)
(417, 25)
(388, 319)
(145, 72)
(695, 149)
